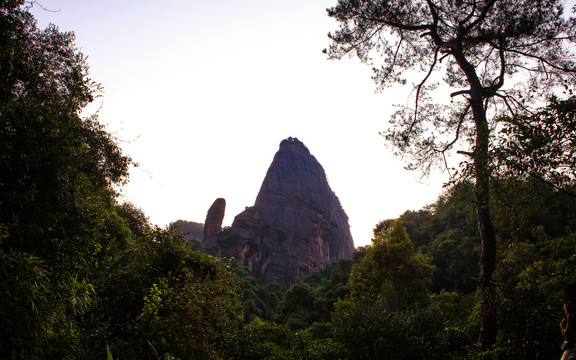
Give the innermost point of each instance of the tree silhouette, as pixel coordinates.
(479, 46)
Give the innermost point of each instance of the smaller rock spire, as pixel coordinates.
(213, 223)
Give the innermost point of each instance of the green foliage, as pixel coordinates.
(370, 330)
(541, 145)
(227, 242)
(97, 266)
(333, 274)
(446, 230)
(56, 170)
(388, 311)
(478, 47)
(26, 299)
(181, 300)
(537, 252)
(57, 198)
(269, 341)
(192, 311)
(52, 183)
(85, 277)
(258, 300)
(531, 278)
(310, 303)
(298, 309)
(262, 340)
(453, 240)
(391, 268)
(137, 221)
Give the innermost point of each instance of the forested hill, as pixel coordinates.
(190, 230)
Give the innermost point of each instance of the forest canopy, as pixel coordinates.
(86, 276)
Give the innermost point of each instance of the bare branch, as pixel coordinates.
(467, 153)
(399, 25)
(419, 88)
(398, 48)
(508, 105)
(460, 92)
(552, 184)
(34, 2)
(494, 88)
(544, 40)
(541, 59)
(434, 13)
(446, 165)
(481, 17)
(457, 132)
(517, 104)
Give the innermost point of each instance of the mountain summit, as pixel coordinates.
(296, 225)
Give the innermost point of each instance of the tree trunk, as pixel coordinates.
(488, 323)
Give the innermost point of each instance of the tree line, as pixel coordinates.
(85, 276)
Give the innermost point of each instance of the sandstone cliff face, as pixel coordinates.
(297, 224)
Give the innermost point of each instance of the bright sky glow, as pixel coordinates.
(201, 92)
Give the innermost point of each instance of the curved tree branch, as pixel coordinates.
(541, 59)
(470, 15)
(419, 88)
(491, 90)
(480, 18)
(457, 132)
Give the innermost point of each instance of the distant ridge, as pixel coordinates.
(191, 230)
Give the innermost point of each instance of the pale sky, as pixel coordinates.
(200, 93)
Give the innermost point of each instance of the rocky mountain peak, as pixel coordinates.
(297, 224)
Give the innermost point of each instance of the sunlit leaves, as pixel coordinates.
(191, 311)
(392, 269)
(542, 145)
